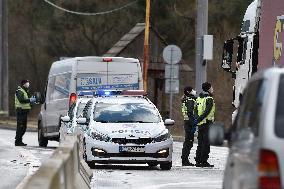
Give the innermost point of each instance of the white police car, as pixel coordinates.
(68, 123)
(126, 128)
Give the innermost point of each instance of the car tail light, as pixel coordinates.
(269, 175)
(72, 99)
(107, 59)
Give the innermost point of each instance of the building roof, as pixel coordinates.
(137, 30)
(128, 38)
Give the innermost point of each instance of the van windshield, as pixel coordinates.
(279, 117)
(125, 113)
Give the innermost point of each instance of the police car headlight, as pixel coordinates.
(165, 135)
(101, 137)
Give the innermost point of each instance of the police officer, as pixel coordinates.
(23, 102)
(206, 113)
(188, 111)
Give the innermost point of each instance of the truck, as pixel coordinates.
(257, 47)
(69, 77)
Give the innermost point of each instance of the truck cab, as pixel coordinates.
(242, 62)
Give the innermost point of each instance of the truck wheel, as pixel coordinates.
(166, 165)
(42, 141)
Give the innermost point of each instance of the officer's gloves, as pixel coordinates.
(194, 126)
(32, 99)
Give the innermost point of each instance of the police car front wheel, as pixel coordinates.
(166, 165)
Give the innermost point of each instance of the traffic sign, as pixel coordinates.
(172, 54)
(172, 86)
(171, 71)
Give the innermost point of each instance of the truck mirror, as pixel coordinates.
(216, 134)
(227, 56)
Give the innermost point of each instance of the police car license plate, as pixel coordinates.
(131, 149)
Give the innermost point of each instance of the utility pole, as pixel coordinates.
(4, 77)
(146, 45)
(201, 30)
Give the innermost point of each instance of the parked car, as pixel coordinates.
(70, 76)
(126, 128)
(256, 158)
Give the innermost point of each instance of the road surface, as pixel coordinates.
(18, 163)
(144, 177)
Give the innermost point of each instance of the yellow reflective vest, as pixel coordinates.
(184, 109)
(24, 106)
(201, 107)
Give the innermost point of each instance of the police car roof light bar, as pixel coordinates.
(87, 94)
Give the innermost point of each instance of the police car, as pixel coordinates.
(68, 123)
(126, 128)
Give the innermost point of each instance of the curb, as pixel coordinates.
(14, 127)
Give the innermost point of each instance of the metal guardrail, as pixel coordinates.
(65, 169)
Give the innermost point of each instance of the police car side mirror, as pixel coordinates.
(65, 119)
(216, 134)
(169, 122)
(82, 120)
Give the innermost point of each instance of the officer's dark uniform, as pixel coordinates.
(23, 106)
(188, 109)
(206, 113)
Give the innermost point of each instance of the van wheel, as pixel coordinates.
(166, 165)
(42, 141)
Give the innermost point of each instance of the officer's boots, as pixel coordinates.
(185, 162)
(19, 143)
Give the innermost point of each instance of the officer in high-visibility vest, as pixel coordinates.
(23, 102)
(206, 116)
(188, 109)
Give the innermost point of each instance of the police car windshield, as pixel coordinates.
(125, 113)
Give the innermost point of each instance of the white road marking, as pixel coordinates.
(191, 184)
(32, 161)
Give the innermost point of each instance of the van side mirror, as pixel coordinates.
(216, 134)
(65, 119)
(169, 122)
(39, 97)
(227, 56)
(82, 121)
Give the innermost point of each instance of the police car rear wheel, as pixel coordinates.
(166, 165)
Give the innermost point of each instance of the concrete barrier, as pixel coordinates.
(65, 169)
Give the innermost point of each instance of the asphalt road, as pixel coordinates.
(18, 163)
(144, 177)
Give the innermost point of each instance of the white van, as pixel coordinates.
(70, 76)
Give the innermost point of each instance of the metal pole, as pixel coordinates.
(201, 30)
(171, 80)
(4, 77)
(146, 45)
